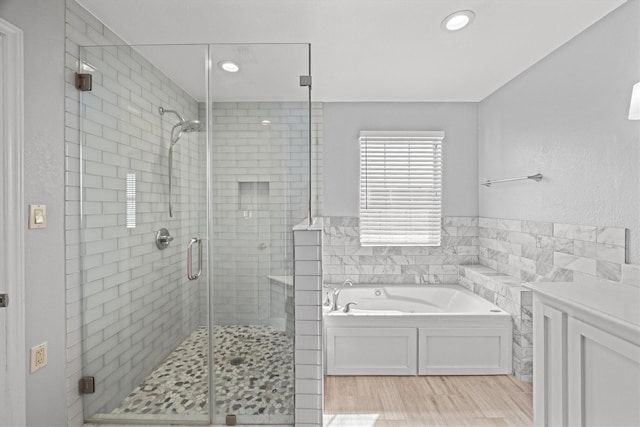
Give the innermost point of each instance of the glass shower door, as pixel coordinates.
(143, 175)
(259, 191)
(159, 324)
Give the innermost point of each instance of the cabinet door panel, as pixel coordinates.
(550, 358)
(603, 378)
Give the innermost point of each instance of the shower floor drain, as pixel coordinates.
(237, 361)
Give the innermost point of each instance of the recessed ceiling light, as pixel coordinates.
(265, 122)
(229, 66)
(458, 20)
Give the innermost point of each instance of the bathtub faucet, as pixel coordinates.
(336, 293)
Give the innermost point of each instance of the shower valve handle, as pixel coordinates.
(163, 238)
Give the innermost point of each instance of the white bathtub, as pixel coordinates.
(416, 329)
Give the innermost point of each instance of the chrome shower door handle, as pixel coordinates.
(190, 274)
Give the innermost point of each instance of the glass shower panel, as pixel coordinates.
(258, 191)
(145, 338)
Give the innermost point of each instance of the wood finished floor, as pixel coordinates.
(386, 401)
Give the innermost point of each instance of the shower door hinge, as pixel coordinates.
(87, 385)
(4, 300)
(305, 81)
(83, 82)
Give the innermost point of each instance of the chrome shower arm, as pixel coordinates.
(163, 110)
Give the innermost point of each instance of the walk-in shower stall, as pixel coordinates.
(192, 178)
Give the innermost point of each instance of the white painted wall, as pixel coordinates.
(566, 117)
(43, 24)
(343, 122)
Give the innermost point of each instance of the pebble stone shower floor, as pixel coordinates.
(253, 375)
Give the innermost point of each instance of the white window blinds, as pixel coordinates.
(400, 188)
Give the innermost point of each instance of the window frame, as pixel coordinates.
(415, 218)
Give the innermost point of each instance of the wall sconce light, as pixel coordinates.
(634, 108)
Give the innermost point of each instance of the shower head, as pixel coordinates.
(190, 126)
(183, 127)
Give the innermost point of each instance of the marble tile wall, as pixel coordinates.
(545, 251)
(507, 293)
(344, 258)
(515, 251)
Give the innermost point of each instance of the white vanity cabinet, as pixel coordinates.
(586, 365)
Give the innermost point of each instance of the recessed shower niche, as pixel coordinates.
(160, 346)
(252, 197)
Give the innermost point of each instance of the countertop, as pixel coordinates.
(616, 305)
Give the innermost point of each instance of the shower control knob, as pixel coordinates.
(163, 238)
(262, 246)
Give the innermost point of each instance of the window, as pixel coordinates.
(400, 188)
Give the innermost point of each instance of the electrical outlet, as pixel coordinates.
(38, 357)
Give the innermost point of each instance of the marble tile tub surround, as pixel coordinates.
(514, 251)
(490, 256)
(546, 251)
(343, 257)
(507, 293)
(527, 250)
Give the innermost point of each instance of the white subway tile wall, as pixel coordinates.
(138, 304)
(259, 192)
(308, 315)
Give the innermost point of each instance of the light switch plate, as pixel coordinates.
(37, 216)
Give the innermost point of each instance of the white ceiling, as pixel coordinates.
(362, 50)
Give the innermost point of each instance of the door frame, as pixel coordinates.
(12, 103)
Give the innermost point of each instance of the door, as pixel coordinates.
(143, 234)
(260, 139)
(12, 339)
